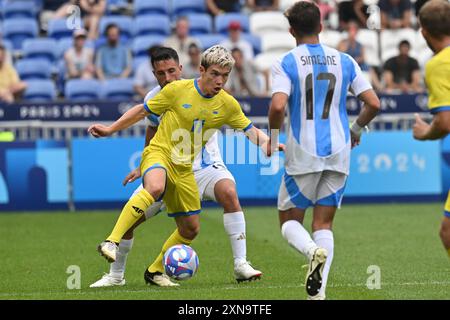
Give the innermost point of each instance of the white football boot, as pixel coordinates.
(108, 281)
(158, 279)
(314, 274)
(243, 271)
(108, 250)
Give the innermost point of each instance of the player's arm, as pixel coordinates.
(276, 114)
(132, 116)
(439, 127)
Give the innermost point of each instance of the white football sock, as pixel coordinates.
(297, 236)
(324, 239)
(117, 269)
(234, 223)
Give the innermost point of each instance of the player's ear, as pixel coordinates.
(292, 32)
(320, 28)
(202, 69)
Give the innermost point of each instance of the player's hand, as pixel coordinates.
(269, 149)
(355, 138)
(420, 128)
(100, 130)
(132, 176)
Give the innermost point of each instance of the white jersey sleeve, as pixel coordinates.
(359, 82)
(152, 119)
(280, 80)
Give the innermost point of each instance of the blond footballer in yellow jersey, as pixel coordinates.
(189, 107)
(434, 18)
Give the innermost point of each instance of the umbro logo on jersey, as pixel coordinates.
(138, 210)
(215, 112)
(186, 105)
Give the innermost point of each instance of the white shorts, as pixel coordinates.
(324, 188)
(206, 179)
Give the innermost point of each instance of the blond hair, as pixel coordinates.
(217, 55)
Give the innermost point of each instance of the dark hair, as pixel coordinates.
(434, 17)
(236, 49)
(159, 53)
(193, 46)
(404, 42)
(111, 26)
(304, 18)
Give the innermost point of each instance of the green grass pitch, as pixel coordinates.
(402, 240)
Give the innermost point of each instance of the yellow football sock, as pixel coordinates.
(131, 212)
(175, 238)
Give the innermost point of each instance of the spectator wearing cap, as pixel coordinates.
(144, 79)
(10, 84)
(217, 7)
(79, 59)
(180, 40)
(235, 41)
(263, 5)
(113, 60)
(192, 68)
(242, 81)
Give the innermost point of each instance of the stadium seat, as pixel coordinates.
(18, 30)
(118, 89)
(57, 29)
(115, 6)
(330, 38)
(138, 61)
(19, 9)
(389, 40)
(40, 91)
(277, 42)
(264, 61)
(40, 48)
(62, 46)
(152, 24)
(7, 44)
(369, 40)
(124, 23)
(184, 7)
(254, 40)
(83, 90)
(223, 21)
(33, 69)
(262, 22)
(141, 45)
(209, 40)
(200, 23)
(143, 7)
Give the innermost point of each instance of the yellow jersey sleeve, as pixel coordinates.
(437, 75)
(162, 101)
(237, 119)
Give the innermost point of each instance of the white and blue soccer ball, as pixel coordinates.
(180, 262)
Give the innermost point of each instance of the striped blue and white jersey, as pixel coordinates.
(317, 79)
(211, 151)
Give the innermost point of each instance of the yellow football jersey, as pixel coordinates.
(437, 78)
(185, 107)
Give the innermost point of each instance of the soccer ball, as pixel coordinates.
(180, 262)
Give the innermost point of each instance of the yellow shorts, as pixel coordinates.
(447, 206)
(181, 194)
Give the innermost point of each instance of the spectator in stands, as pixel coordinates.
(63, 10)
(144, 79)
(395, 14)
(355, 49)
(235, 41)
(243, 77)
(263, 5)
(92, 11)
(10, 84)
(113, 59)
(217, 7)
(192, 68)
(50, 10)
(79, 59)
(354, 10)
(180, 41)
(325, 9)
(401, 73)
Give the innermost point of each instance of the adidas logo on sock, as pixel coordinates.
(241, 236)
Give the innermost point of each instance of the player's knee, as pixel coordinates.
(156, 190)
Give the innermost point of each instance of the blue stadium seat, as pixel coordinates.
(19, 9)
(18, 30)
(143, 7)
(183, 7)
(138, 61)
(124, 23)
(57, 29)
(152, 24)
(62, 46)
(209, 40)
(222, 22)
(33, 69)
(82, 90)
(118, 89)
(200, 23)
(40, 91)
(114, 6)
(254, 40)
(141, 44)
(7, 44)
(40, 48)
